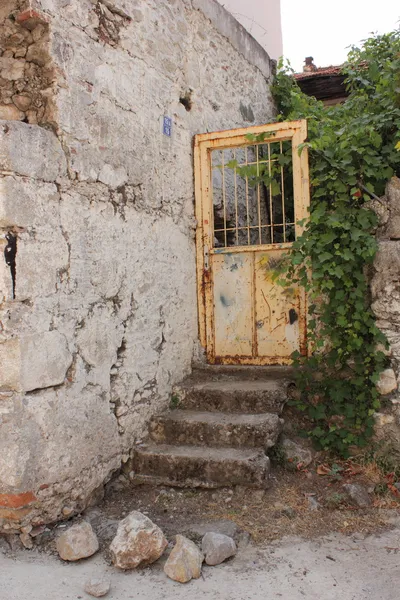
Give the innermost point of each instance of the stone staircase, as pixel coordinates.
(222, 422)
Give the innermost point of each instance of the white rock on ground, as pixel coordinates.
(97, 587)
(184, 562)
(138, 542)
(79, 541)
(217, 548)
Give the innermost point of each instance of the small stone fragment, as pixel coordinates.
(97, 587)
(12, 69)
(37, 530)
(26, 529)
(9, 112)
(38, 32)
(358, 494)
(26, 540)
(79, 541)
(297, 453)
(67, 511)
(387, 382)
(22, 101)
(217, 548)
(138, 542)
(184, 562)
(37, 54)
(312, 503)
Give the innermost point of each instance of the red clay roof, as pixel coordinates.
(323, 71)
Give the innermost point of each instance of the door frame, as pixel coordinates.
(204, 144)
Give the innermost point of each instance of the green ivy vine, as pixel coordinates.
(353, 153)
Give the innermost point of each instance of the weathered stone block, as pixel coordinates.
(387, 382)
(45, 359)
(34, 361)
(393, 204)
(28, 203)
(31, 150)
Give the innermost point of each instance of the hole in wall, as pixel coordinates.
(186, 100)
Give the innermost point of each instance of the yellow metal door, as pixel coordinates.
(252, 198)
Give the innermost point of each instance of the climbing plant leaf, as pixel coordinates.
(353, 149)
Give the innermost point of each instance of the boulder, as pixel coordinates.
(357, 494)
(79, 541)
(139, 542)
(97, 587)
(217, 548)
(184, 562)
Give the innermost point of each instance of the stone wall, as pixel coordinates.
(385, 291)
(27, 74)
(98, 298)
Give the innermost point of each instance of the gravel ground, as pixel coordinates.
(338, 566)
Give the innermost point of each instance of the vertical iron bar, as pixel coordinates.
(247, 200)
(258, 195)
(270, 195)
(283, 199)
(236, 204)
(224, 197)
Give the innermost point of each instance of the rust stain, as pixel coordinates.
(17, 500)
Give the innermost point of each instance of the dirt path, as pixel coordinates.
(338, 566)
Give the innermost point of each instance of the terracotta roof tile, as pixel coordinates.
(322, 72)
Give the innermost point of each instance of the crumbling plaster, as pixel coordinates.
(104, 318)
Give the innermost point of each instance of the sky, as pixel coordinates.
(323, 29)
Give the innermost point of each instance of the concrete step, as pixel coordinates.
(241, 373)
(216, 429)
(232, 395)
(199, 466)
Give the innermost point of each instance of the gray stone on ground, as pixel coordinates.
(79, 541)
(97, 587)
(296, 452)
(358, 494)
(139, 542)
(184, 562)
(313, 504)
(217, 548)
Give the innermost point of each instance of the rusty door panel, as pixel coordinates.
(233, 289)
(244, 228)
(279, 318)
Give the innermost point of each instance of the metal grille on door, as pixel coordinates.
(251, 193)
